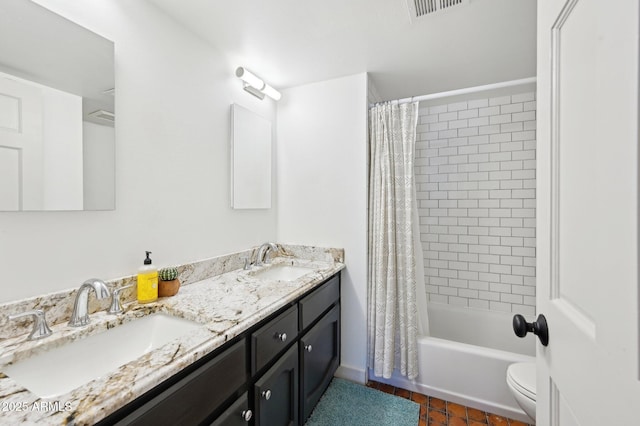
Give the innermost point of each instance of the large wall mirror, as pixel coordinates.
(57, 136)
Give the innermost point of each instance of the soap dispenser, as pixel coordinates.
(147, 281)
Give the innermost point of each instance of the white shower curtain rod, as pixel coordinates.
(463, 91)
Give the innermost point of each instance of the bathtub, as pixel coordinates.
(465, 359)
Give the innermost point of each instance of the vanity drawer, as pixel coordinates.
(273, 338)
(192, 399)
(236, 414)
(313, 305)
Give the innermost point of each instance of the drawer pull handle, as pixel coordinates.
(282, 337)
(246, 415)
(266, 394)
(308, 348)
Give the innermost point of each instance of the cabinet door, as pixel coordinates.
(276, 393)
(319, 359)
(238, 414)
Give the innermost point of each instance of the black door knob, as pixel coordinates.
(539, 327)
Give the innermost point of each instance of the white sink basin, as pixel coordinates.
(60, 370)
(282, 272)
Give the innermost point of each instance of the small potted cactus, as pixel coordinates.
(168, 283)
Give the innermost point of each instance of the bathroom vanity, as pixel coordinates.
(260, 347)
(274, 373)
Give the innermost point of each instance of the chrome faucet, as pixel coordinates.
(40, 327)
(80, 314)
(263, 252)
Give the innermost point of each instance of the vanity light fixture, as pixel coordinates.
(255, 85)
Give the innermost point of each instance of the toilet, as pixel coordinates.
(521, 379)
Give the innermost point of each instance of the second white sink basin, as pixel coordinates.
(62, 369)
(282, 272)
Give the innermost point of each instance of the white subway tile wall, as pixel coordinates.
(476, 180)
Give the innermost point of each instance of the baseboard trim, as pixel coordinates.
(351, 373)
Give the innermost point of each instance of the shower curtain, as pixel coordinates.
(393, 245)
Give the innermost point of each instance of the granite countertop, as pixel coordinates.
(226, 305)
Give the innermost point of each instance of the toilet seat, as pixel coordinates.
(522, 377)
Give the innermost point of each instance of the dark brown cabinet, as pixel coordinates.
(271, 375)
(272, 338)
(319, 301)
(276, 392)
(193, 398)
(238, 414)
(319, 359)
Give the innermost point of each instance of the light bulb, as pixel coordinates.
(271, 92)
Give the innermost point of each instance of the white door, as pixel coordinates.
(588, 212)
(21, 162)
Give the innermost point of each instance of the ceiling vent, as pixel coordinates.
(423, 8)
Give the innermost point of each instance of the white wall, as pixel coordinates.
(322, 190)
(173, 97)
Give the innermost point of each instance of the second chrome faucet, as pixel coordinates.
(263, 253)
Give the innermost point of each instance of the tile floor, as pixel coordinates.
(436, 412)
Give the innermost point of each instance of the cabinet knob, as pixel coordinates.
(266, 394)
(246, 415)
(282, 337)
(308, 348)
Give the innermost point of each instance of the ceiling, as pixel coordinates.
(294, 42)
